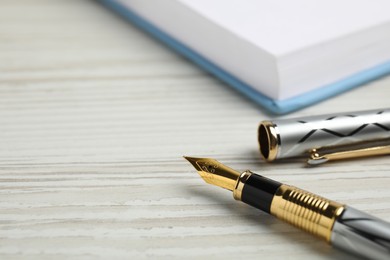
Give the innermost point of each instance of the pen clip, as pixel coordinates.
(355, 150)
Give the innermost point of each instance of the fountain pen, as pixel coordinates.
(342, 226)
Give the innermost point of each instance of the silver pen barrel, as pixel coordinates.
(340, 225)
(296, 137)
(362, 234)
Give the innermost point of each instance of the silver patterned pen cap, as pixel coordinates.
(315, 136)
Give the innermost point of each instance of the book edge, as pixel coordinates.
(274, 106)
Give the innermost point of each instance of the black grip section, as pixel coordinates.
(259, 191)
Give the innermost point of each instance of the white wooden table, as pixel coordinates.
(94, 118)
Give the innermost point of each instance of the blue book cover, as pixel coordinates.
(275, 105)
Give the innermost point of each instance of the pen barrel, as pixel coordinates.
(306, 210)
(362, 234)
(296, 137)
(342, 226)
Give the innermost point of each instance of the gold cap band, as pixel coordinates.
(268, 140)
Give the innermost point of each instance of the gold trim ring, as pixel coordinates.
(237, 192)
(267, 137)
(305, 210)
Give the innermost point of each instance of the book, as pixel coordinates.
(284, 55)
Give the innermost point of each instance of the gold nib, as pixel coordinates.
(214, 172)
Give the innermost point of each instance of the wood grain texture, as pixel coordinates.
(94, 118)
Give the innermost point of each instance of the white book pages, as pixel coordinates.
(280, 48)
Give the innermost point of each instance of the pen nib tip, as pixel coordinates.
(214, 172)
(194, 161)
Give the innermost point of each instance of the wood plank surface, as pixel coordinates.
(94, 118)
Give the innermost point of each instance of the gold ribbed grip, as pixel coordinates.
(305, 210)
